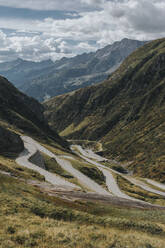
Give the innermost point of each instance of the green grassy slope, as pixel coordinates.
(126, 112)
(29, 218)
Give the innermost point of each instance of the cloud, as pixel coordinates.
(148, 17)
(68, 5)
(34, 47)
(85, 47)
(93, 2)
(39, 46)
(96, 24)
(117, 20)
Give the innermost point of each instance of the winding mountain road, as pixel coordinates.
(89, 153)
(110, 181)
(31, 147)
(144, 186)
(84, 180)
(156, 184)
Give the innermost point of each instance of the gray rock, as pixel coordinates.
(37, 159)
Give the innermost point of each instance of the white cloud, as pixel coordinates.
(36, 47)
(93, 2)
(106, 22)
(119, 19)
(85, 47)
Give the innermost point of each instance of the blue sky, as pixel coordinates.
(38, 29)
(23, 13)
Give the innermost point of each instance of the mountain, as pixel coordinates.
(18, 71)
(21, 114)
(46, 79)
(126, 112)
(52, 197)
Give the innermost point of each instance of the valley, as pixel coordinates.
(99, 184)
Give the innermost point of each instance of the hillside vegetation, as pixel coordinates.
(31, 219)
(126, 112)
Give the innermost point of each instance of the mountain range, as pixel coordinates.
(126, 112)
(46, 79)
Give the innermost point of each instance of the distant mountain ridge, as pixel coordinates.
(45, 79)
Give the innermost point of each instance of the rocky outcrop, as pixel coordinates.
(10, 142)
